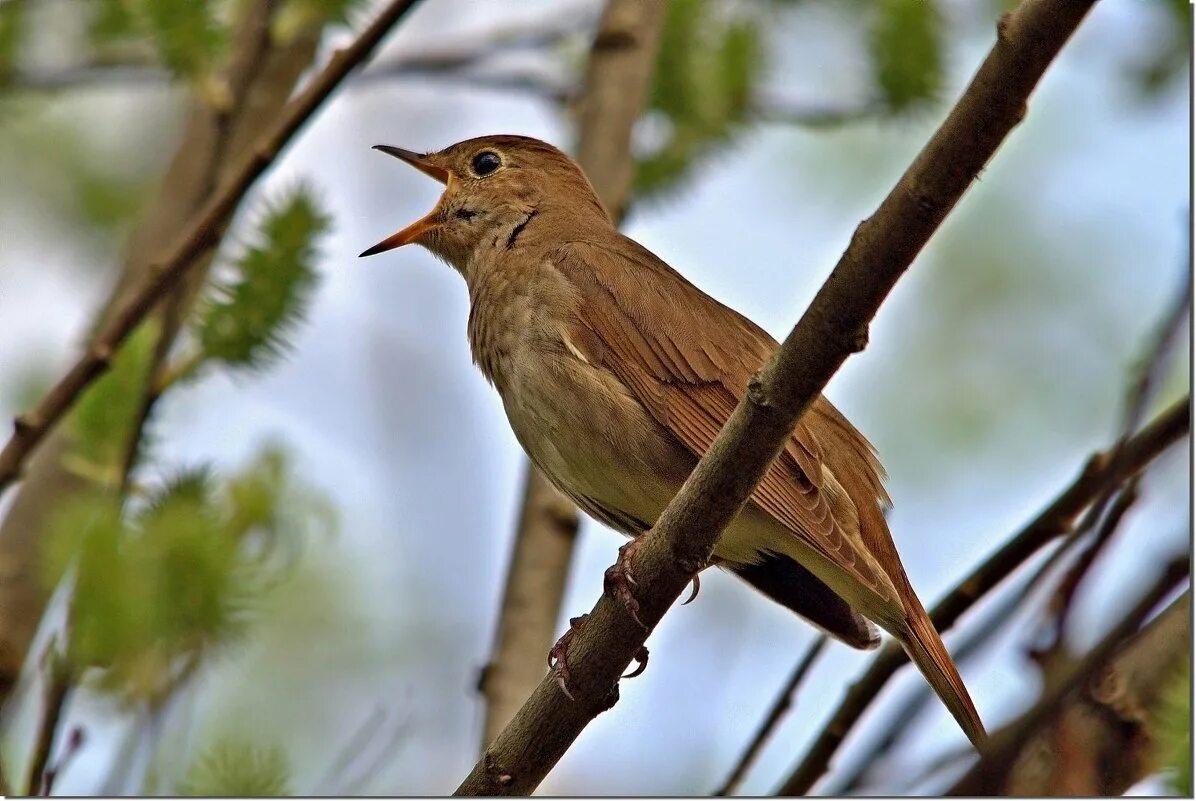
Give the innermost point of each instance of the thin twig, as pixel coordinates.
(200, 235)
(1141, 390)
(1059, 606)
(1053, 522)
(616, 87)
(988, 776)
(53, 704)
(780, 706)
(834, 327)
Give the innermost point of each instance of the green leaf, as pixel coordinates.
(237, 768)
(246, 321)
(102, 421)
(907, 52)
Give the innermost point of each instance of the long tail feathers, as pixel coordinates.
(926, 649)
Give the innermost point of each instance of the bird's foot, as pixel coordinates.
(619, 582)
(558, 657)
(697, 581)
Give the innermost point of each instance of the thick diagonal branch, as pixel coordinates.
(618, 78)
(832, 329)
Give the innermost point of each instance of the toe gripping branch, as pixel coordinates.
(558, 657)
(619, 583)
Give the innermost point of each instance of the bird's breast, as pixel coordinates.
(576, 420)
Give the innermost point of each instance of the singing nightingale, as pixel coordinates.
(617, 374)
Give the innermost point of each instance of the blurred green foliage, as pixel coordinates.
(1168, 59)
(188, 35)
(708, 64)
(297, 15)
(101, 424)
(160, 585)
(230, 768)
(905, 45)
(12, 17)
(1173, 728)
(246, 320)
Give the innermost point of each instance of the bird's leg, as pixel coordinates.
(558, 656)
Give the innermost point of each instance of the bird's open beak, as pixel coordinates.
(422, 225)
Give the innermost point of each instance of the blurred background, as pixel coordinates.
(376, 467)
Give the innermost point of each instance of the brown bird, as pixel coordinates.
(617, 374)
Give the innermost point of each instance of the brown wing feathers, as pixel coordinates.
(691, 382)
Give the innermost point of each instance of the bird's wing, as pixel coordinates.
(688, 359)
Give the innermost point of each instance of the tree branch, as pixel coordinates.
(780, 706)
(833, 328)
(1104, 739)
(221, 153)
(618, 78)
(989, 775)
(1052, 523)
(201, 234)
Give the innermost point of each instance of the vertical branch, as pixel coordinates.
(618, 77)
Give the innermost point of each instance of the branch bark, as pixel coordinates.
(1053, 522)
(834, 327)
(1104, 741)
(1093, 676)
(202, 214)
(618, 78)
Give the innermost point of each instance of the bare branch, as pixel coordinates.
(989, 775)
(53, 704)
(780, 706)
(834, 327)
(1053, 522)
(200, 235)
(1105, 739)
(617, 83)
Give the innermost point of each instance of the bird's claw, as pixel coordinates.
(558, 655)
(618, 581)
(641, 663)
(697, 585)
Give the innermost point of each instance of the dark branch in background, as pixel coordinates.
(834, 327)
(1053, 522)
(53, 704)
(989, 775)
(1142, 389)
(618, 79)
(1106, 738)
(468, 63)
(772, 720)
(199, 236)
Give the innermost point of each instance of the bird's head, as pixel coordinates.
(497, 191)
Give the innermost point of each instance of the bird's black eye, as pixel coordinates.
(485, 163)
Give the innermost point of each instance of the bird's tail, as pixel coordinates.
(926, 649)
